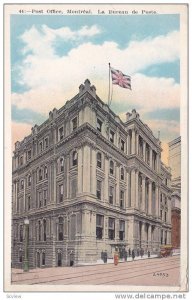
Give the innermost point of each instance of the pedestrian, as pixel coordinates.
(141, 252)
(137, 251)
(129, 252)
(125, 255)
(133, 254)
(148, 253)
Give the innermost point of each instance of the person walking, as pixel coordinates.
(133, 254)
(129, 252)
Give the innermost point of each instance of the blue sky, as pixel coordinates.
(52, 55)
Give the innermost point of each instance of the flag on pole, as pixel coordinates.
(120, 79)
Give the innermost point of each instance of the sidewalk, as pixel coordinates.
(111, 260)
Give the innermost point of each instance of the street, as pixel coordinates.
(147, 272)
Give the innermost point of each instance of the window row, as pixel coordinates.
(20, 185)
(111, 228)
(74, 125)
(111, 194)
(60, 162)
(111, 135)
(111, 166)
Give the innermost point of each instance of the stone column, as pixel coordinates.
(149, 236)
(127, 195)
(157, 201)
(93, 226)
(150, 198)
(143, 235)
(86, 169)
(137, 189)
(54, 182)
(137, 143)
(129, 146)
(116, 230)
(93, 171)
(131, 233)
(144, 150)
(24, 195)
(67, 177)
(133, 141)
(54, 237)
(150, 156)
(106, 180)
(117, 192)
(133, 188)
(80, 171)
(143, 192)
(169, 210)
(16, 196)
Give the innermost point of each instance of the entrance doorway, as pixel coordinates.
(71, 259)
(38, 260)
(59, 260)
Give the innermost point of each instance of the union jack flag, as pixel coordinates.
(120, 79)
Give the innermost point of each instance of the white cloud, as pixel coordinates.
(40, 42)
(54, 79)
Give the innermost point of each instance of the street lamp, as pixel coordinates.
(26, 254)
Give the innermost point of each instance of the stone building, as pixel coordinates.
(88, 182)
(175, 165)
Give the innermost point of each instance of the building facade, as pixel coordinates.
(175, 165)
(88, 182)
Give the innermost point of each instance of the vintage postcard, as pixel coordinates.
(96, 137)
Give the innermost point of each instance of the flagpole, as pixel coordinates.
(109, 84)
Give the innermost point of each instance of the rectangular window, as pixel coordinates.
(61, 193)
(74, 123)
(99, 226)
(165, 216)
(122, 194)
(111, 194)
(22, 184)
(29, 155)
(45, 197)
(111, 228)
(98, 189)
(61, 133)
(121, 230)
(29, 202)
(161, 215)
(40, 199)
(21, 160)
(122, 145)
(40, 146)
(161, 197)
(46, 142)
(99, 125)
(111, 136)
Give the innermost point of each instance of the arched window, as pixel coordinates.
(122, 174)
(111, 168)
(99, 164)
(43, 259)
(20, 256)
(29, 180)
(22, 184)
(44, 230)
(60, 229)
(40, 174)
(21, 233)
(74, 158)
(45, 172)
(61, 164)
(59, 259)
(39, 229)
